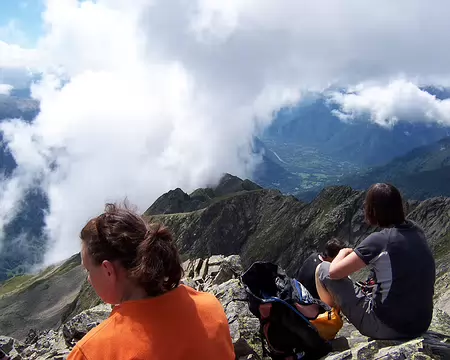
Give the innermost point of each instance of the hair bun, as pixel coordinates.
(158, 232)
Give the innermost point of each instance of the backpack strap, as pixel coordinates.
(264, 311)
(263, 346)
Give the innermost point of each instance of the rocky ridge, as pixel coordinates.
(235, 218)
(220, 276)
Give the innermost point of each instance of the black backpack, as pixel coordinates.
(272, 297)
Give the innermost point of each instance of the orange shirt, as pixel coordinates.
(181, 324)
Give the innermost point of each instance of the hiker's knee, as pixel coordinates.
(323, 271)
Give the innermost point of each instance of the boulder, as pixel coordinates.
(48, 345)
(11, 347)
(430, 346)
(244, 326)
(80, 325)
(201, 274)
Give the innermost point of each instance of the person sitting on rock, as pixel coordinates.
(136, 267)
(306, 274)
(399, 304)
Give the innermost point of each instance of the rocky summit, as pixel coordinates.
(220, 276)
(220, 231)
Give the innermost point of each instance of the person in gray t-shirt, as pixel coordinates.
(397, 300)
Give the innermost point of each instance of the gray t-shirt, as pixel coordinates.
(404, 271)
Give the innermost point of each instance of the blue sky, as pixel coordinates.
(20, 21)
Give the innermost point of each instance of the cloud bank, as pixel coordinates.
(386, 105)
(139, 97)
(5, 89)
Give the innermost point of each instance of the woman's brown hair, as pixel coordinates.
(383, 205)
(147, 252)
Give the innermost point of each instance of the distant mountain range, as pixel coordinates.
(360, 142)
(422, 173)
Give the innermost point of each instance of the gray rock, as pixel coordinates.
(11, 347)
(186, 265)
(244, 326)
(216, 259)
(6, 343)
(230, 268)
(189, 268)
(48, 346)
(189, 282)
(199, 280)
(431, 346)
(204, 269)
(80, 325)
(214, 269)
(197, 266)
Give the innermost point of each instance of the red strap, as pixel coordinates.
(264, 310)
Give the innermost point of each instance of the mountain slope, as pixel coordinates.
(423, 172)
(23, 241)
(44, 300)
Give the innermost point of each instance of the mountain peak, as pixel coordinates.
(177, 201)
(230, 184)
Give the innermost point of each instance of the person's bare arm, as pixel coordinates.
(345, 263)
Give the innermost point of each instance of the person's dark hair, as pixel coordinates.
(147, 251)
(332, 248)
(383, 205)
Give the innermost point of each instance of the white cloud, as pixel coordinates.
(5, 89)
(17, 62)
(14, 56)
(12, 191)
(386, 105)
(169, 93)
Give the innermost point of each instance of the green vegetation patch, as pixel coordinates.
(15, 283)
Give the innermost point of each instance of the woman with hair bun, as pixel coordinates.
(137, 268)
